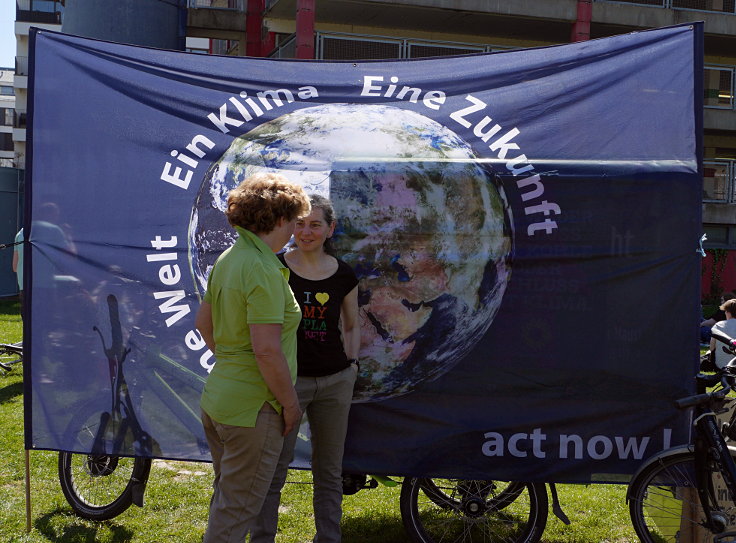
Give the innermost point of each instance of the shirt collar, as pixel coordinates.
(249, 237)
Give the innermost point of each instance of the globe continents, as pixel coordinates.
(422, 222)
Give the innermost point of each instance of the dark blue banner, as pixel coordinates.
(523, 225)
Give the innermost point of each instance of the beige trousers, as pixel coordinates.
(244, 460)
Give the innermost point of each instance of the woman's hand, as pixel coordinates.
(349, 324)
(292, 417)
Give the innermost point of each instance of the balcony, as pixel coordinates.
(19, 118)
(719, 6)
(21, 65)
(216, 19)
(237, 5)
(39, 11)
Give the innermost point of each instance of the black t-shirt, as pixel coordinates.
(319, 348)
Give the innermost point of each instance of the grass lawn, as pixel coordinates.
(178, 494)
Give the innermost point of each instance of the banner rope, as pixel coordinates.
(7, 245)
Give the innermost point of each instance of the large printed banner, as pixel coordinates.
(524, 226)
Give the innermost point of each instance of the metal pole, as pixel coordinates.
(28, 491)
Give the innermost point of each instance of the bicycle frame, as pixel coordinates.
(710, 446)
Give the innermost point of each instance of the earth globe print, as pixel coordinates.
(424, 224)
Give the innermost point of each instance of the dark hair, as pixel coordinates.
(318, 201)
(262, 199)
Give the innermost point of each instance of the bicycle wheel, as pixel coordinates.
(99, 486)
(665, 506)
(455, 510)
(10, 354)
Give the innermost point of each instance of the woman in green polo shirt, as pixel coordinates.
(249, 319)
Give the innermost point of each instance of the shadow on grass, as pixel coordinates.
(9, 306)
(56, 526)
(373, 527)
(9, 392)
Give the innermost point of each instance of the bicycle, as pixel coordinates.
(10, 354)
(102, 483)
(688, 493)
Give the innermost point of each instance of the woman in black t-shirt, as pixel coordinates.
(328, 341)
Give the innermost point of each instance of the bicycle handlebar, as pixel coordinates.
(720, 336)
(717, 395)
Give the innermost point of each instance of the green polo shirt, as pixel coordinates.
(247, 285)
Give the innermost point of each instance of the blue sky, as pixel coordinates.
(7, 34)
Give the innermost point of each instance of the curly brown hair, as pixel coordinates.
(262, 199)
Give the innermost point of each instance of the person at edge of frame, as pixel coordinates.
(728, 327)
(328, 341)
(249, 318)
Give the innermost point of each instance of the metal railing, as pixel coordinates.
(339, 46)
(21, 65)
(225, 47)
(285, 49)
(719, 185)
(718, 6)
(235, 5)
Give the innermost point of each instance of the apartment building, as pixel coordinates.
(386, 29)
(7, 116)
(45, 14)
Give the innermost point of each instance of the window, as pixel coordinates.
(717, 181)
(7, 90)
(6, 141)
(718, 87)
(6, 116)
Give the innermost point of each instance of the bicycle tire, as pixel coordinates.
(455, 510)
(665, 506)
(99, 486)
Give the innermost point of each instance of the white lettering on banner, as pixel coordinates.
(222, 119)
(432, 99)
(194, 148)
(516, 444)
(502, 146)
(599, 447)
(195, 342)
(170, 274)
(233, 113)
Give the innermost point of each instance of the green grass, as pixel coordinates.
(178, 494)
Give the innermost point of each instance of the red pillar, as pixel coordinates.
(581, 27)
(305, 29)
(253, 28)
(268, 44)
